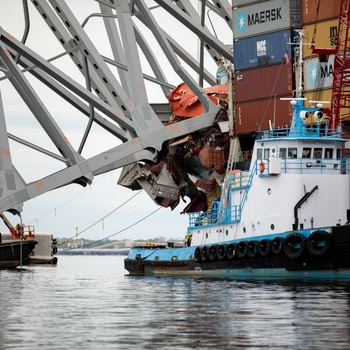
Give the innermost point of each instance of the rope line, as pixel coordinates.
(96, 222)
(124, 229)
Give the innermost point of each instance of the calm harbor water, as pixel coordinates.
(89, 302)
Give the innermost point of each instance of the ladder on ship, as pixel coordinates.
(234, 149)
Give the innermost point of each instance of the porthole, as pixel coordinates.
(226, 232)
(269, 191)
(272, 227)
(244, 230)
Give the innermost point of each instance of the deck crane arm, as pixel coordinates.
(18, 231)
(13, 230)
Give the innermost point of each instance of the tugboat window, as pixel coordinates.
(267, 153)
(306, 153)
(318, 153)
(328, 153)
(338, 153)
(292, 152)
(259, 153)
(283, 152)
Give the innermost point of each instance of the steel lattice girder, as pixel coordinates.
(120, 107)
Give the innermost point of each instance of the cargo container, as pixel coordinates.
(257, 115)
(317, 74)
(318, 95)
(327, 10)
(239, 3)
(261, 83)
(325, 36)
(265, 17)
(263, 50)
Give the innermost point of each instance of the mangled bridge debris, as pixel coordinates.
(193, 166)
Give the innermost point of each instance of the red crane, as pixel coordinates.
(341, 78)
(17, 232)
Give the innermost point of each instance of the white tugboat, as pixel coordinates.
(286, 217)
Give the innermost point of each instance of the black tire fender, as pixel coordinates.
(264, 247)
(241, 249)
(319, 243)
(212, 252)
(294, 246)
(204, 252)
(221, 253)
(197, 254)
(277, 245)
(252, 248)
(231, 251)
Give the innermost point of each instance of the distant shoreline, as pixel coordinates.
(81, 251)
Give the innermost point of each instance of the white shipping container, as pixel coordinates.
(318, 75)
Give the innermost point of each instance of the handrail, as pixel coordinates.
(232, 213)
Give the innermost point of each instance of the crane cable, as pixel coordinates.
(315, 25)
(95, 223)
(124, 229)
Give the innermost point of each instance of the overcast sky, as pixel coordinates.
(61, 211)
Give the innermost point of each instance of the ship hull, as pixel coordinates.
(11, 253)
(333, 264)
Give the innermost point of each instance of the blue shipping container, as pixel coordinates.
(263, 50)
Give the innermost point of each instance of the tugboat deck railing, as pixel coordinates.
(312, 131)
(242, 181)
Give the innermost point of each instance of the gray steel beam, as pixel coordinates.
(38, 109)
(68, 41)
(10, 179)
(196, 28)
(129, 108)
(116, 45)
(172, 58)
(124, 104)
(185, 56)
(116, 115)
(143, 114)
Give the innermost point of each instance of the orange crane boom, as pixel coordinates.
(17, 232)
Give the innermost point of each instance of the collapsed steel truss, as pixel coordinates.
(117, 104)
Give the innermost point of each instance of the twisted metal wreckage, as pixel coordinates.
(165, 151)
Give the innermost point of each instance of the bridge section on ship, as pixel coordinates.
(112, 92)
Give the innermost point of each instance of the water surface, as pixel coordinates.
(89, 302)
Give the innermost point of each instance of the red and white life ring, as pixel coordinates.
(262, 167)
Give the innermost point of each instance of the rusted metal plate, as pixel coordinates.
(261, 83)
(327, 9)
(255, 115)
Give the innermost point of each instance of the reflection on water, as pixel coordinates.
(90, 303)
